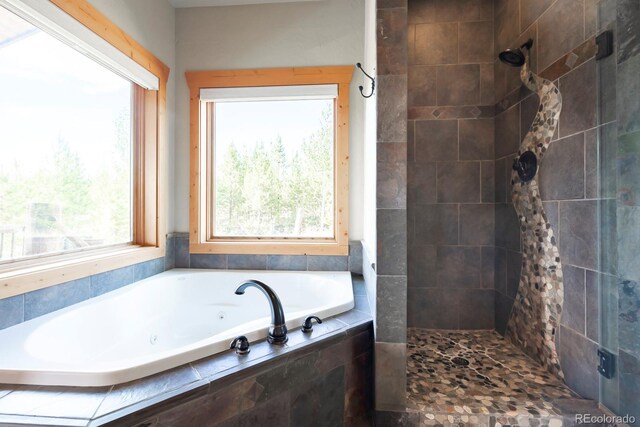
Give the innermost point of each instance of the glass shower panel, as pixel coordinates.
(618, 145)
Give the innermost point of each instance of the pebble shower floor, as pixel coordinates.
(477, 378)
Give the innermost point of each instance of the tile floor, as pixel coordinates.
(479, 379)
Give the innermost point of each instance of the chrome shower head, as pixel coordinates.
(515, 57)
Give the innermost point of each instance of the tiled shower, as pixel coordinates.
(466, 115)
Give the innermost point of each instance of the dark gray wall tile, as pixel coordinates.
(391, 41)
(391, 378)
(514, 268)
(477, 309)
(437, 224)
(391, 176)
(629, 385)
(628, 170)
(464, 10)
(592, 305)
(591, 178)
(502, 180)
(530, 11)
(528, 109)
(607, 82)
(43, 301)
(458, 182)
(392, 108)
(507, 227)
(501, 270)
(287, 262)
(628, 41)
(472, 35)
(561, 29)
(487, 184)
(458, 267)
(579, 359)
(477, 226)
(458, 84)
(328, 263)
(628, 101)
(551, 211)
(507, 28)
(391, 309)
(213, 261)
(247, 262)
(579, 233)
(317, 403)
(111, 280)
(422, 86)
(436, 140)
(508, 132)
(170, 254)
(12, 311)
(561, 173)
(488, 267)
(579, 99)
(503, 306)
(573, 311)
(422, 183)
(392, 242)
(477, 139)
(432, 308)
(436, 43)
(422, 266)
(487, 84)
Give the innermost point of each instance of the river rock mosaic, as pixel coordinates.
(535, 316)
(499, 386)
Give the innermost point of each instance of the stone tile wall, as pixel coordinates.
(391, 203)
(20, 308)
(450, 170)
(585, 180)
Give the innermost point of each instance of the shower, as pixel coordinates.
(515, 57)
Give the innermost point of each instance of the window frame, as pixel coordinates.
(201, 169)
(150, 132)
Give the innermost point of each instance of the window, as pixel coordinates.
(82, 129)
(66, 144)
(271, 167)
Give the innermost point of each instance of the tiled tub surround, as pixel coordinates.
(324, 378)
(20, 308)
(159, 323)
(178, 249)
(535, 316)
(494, 384)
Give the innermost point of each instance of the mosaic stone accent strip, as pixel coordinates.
(499, 384)
(535, 316)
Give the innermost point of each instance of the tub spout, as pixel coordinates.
(278, 329)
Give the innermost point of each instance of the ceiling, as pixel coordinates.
(205, 3)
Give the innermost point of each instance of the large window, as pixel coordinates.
(82, 145)
(274, 157)
(66, 144)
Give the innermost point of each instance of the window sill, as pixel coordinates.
(20, 278)
(270, 247)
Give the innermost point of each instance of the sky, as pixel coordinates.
(246, 123)
(49, 91)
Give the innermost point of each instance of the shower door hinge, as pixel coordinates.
(605, 44)
(606, 363)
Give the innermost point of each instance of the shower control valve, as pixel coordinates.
(241, 344)
(307, 326)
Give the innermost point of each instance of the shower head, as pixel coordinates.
(515, 57)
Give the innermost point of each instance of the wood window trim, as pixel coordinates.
(199, 170)
(149, 181)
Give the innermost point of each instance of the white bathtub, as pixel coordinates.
(159, 323)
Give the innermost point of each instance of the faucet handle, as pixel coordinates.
(307, 326)
(241, 344)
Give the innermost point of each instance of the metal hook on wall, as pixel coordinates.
(373, 83)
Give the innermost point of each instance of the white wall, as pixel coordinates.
(370, 137)
(152, 24)
(330, 32)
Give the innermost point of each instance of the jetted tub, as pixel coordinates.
(159, 323)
